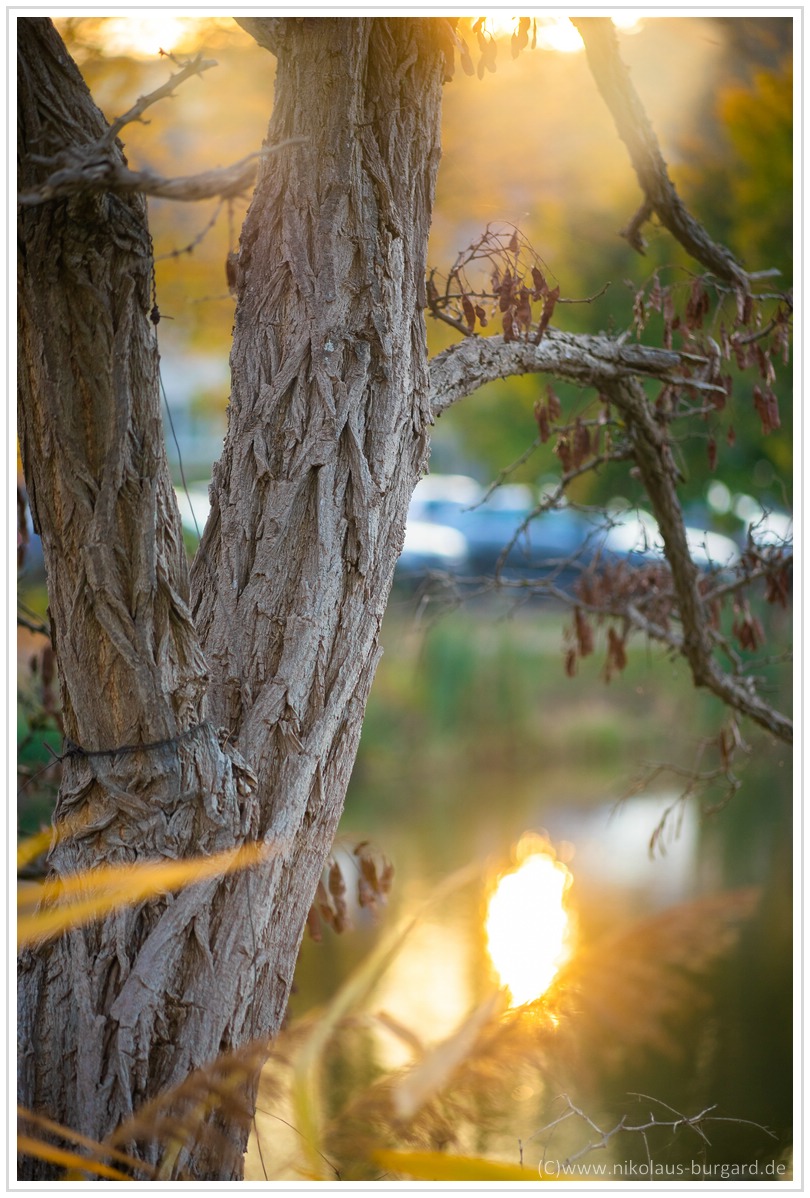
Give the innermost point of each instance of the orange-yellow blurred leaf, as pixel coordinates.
(28, 850)
(67, 1133)
(437, 1066)
(68, 1160)
(441, 1166)
(110, 887)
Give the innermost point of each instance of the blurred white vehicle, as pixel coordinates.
(432, 547)
(636, 533)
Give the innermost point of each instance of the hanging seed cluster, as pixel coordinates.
(724, 331)
(499, 278)
(524, 35)
(370, 873)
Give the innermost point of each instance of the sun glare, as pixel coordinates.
(145, 37)
(556, 33)
(528, 927)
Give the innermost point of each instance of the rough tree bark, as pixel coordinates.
(327, 438)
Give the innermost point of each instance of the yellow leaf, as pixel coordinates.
(437, 1066)
(441, 1166)
(28, 850)
(114, 886)
(66, 1133)
(28, 1146)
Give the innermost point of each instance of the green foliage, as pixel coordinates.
(741, 180)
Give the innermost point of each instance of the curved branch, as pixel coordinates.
(634, 128)
(658, 473)
(581, 358)
(614, 369)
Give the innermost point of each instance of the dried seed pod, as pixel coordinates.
(581, 443)
(583, 633)
(506, 291)
(314, 925)
(711, 450)
(386, 876)
(366, 894)
(523, 311)
(546, 314)
(368, 870)
(541, 416)
(540, 284)
(336, 881)
(563, 452)
(553, 401)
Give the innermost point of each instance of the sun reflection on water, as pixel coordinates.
(528, 927)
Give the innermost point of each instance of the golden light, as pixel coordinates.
(145, 37)
(556, 33)
(528, 927)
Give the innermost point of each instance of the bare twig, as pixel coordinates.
(195, 66)
(694, 1123)
(633, 126)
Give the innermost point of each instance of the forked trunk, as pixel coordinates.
(327, 437)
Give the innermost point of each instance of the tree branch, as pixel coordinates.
(588, 360)
(195, 66)
(658, 473)
(634, 128)
(614, 369)
(89, 169)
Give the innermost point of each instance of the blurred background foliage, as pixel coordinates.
(473, 732)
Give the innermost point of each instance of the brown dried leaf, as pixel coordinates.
(546, 314)
(583, 633)
(541, 416)
(540, 284)
(523, 311)
(505, 291)
(711, 450)
(563, 452)
(314, 926)
(745, 308)
(553, 402)
(465, 58)
(366, 894)
(582, 442)
(697, 306)
(336, 881)
(387, 876)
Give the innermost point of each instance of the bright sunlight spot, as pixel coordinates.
(528, 927)
(556, 33)
(145, 37)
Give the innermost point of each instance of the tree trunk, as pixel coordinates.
(326, 440)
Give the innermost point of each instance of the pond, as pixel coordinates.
(679, 980)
